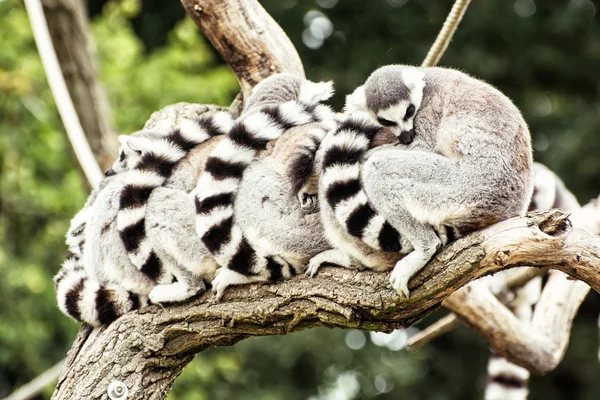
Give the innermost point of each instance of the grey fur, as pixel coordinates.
(468, 165)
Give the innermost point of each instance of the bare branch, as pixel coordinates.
(247, 37)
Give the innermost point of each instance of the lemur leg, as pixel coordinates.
(187, 285)
(414, 191)
(226, 277)
(333, 256)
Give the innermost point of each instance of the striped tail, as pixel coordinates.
(86, 300)
(81, 298)
(506, 381)
(343, 151)
(219, 184)
(156, 164)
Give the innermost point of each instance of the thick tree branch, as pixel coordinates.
(148, 349)
(247, 37)
(70, 32)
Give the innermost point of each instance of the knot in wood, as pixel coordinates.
(501, 257)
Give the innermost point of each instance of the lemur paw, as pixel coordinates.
(225, 278)
(399, 280)
(172, 293)
(313, 267)
(308, 202)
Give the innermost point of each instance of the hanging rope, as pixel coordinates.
(61, 95)
(445, 35)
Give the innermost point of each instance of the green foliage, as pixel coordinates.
(544, 55)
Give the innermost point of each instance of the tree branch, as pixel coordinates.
(70, 33)
(247, 38)
(149, 348)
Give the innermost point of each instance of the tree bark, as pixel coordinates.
(148, 349)
(69, 29)
(247, 38)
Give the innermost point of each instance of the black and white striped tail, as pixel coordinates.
(342, 154)
(81, 298)
(506, 381)
(219, 184)
(86, 300)
(154, 169)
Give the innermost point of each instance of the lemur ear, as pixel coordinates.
(356, 102)
(413, 78)
(315, 92)
(137, 144)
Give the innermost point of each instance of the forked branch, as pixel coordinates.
(147, 349)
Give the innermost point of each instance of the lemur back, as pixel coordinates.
(298, 103)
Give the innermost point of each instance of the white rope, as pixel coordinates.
(34, 387)
(445, 35)
(60, 93)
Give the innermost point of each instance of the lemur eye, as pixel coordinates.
(385, 122)
(121, 156)
(410, 111)
(139, 152)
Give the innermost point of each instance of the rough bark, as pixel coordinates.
(247, 38)
(148, 349)
(69, 30)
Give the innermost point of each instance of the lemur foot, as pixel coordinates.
(399, 280)
(332, 256)
(173, 292)
(226, 277)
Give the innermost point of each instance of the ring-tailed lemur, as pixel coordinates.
(149, 161)
(507, 381)
(98, 282)
(298, 103)
(465, 164)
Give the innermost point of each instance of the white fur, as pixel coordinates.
(497, 366)
(223, 120)
(207, 186)
(191, 130)
(204, 222)
(229, 151)
(315, 92)
(356, 102)
(371, 233)
(261, 125)
(294, 113)
(338, 173)
(130, 216)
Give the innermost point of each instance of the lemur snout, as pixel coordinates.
(407, 137)
(110, 172)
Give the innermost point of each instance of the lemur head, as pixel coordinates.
(391, 97)
(132, 150)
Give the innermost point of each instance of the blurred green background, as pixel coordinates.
(545, 55)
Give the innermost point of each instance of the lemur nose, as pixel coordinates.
(407, 137)
(110, 172)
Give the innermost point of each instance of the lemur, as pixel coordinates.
(464, 162)
(298, 102)
(507, 381)
(171, 239)
(98, 281)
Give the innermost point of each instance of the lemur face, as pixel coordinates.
(130, 154)
(390, 97)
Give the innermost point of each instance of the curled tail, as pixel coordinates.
(79, 296)
(218, 186)
(343, 151)
(86, 300)
(159, 155)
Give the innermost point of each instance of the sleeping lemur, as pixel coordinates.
(464, 163)
(98, 281)
(109, 285)
(297, 103)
